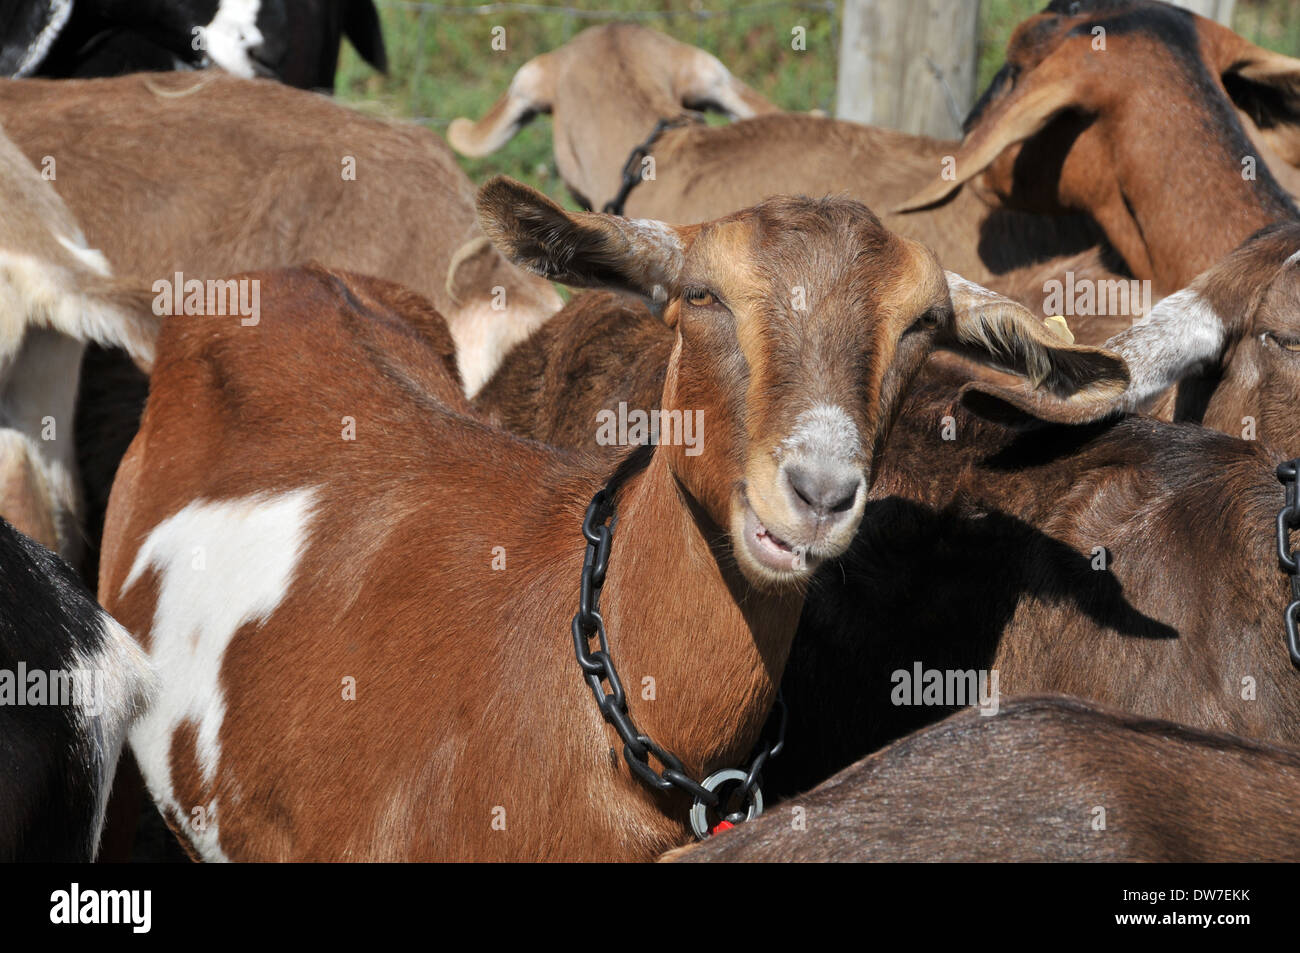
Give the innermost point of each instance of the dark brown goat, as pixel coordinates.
(1230, 342)
(1047, 779)
(1070, 125)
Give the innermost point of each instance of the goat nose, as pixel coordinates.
(825, 490)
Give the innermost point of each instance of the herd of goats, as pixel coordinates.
(885, 498)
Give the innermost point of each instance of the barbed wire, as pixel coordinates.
(487, 9)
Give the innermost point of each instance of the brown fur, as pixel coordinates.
(1104, 122)
(55, 296)
(1025, 786)
(652, 76)
(246, 174)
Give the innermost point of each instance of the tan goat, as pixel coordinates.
(205, 175)
(55, 295)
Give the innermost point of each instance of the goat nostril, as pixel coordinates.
(824, 490)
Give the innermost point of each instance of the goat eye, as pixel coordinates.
(700, 298)
(1286, 342)
(930, 320)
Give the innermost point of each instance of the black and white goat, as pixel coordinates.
(71, 682)
(294, 41)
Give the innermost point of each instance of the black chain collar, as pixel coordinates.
(598, 667)
(632, 167)
(1288, 519)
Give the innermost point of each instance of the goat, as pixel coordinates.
(1080, 118)
(294, 41)
(1223, 351)
(1130, 561)
(611, 85)
(71, 682)
(1047, 779)
(258, 175)
(1060, 103)
(704, 583)
(56, 294)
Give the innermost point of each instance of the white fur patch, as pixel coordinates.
(958, 286)
(231, 34)
(92, 258)
(660, 248)
(128, 687)
(1180, 333)
(221, 565)
(484, 336)
(823, 432)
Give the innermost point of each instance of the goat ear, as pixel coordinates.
(1180, 334)
(1262, 84)
(583, 249)
(1191, 327)
(532, 91)
(702, 82)
(361, 26)
(1040, 96)
(1066, 383)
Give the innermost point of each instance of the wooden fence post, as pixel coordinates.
(1220, 10)
(908, 64)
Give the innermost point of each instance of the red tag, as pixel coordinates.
(721, 826)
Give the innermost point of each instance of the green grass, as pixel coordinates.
(442, 64)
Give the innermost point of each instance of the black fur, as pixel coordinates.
(49, 767)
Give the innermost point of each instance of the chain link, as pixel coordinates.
(632, 167)
(1288, 518)
(598, 669)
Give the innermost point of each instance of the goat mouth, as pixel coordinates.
(772, 552)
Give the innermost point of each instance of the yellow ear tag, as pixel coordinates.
(1056, 324)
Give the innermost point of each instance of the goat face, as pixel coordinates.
(1230, 341)
(1091, 98)
(799, 324)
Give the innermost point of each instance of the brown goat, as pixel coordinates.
(205, 175)
(605, 89)
(1129, 561)
(1103, 119)
(795, 405)
(1047, 779)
